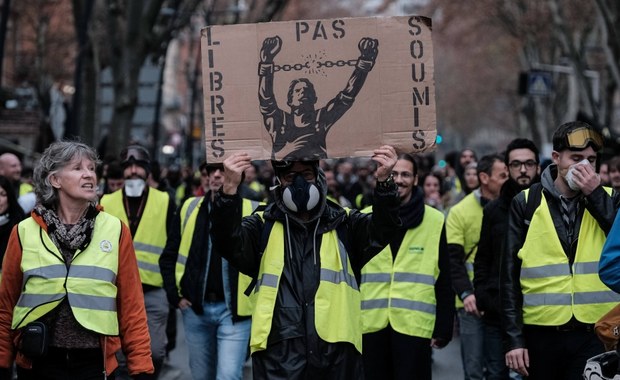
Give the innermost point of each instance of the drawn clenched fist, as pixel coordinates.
(368, 48)
(271, 47)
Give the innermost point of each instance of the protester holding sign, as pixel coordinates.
(306, 254)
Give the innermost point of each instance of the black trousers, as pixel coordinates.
(388, 354)
(559, 355)
(66, 364)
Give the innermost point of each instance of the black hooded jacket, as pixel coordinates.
(294, 349)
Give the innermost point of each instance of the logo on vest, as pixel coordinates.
(105, 246)
(416, 249)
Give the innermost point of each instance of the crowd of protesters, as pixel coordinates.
(469, 215)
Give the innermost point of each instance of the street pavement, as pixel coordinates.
(446, 362)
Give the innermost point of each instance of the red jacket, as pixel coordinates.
(133, 328)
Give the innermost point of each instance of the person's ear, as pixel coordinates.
(54, 181)
(555, 157)
(483, 178)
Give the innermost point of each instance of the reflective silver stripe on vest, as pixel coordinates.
(254, 204)
(414, 277)
(400, 303)
(545, 271)
(590, 267)
(469, 266)
(267, 279)
(147, 248)
(581, 298)
(32, 300)
(92, 302)
(148, 266)
(382, 303)
(338, 277)
(50, 271)
(376, 277)
(547, 299)
(181, 260)
(95, 273)
(190, 209)
(596, 297)
(413, 305)
(341, 276)
(344, 257)
(77, 271)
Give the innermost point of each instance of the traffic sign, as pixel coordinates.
(539, 83)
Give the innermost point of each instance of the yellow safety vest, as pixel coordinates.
(257, 186)
(180, 193)
(552, 290)
(401, 292)
(337, 300)
(150, 238)
(25, 188)
(89, 284)
(463, 225)
(189, 213)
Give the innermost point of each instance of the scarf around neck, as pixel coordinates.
(71, 237)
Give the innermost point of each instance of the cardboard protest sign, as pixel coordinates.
(318, 89)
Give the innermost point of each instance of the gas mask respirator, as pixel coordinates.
(301, 196)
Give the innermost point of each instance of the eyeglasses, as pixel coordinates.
(405, 175)
(516, 164)
(581, 137)
(308, 175)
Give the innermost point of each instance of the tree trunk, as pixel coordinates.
(128, 48)
(88, 121)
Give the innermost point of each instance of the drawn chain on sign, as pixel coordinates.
(302, 131)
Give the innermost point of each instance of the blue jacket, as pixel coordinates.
(609, 263)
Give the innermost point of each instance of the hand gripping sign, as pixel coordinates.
(318, 89)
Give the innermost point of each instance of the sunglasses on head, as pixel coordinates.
(581, 137)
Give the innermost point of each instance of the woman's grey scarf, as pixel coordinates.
(69, 237)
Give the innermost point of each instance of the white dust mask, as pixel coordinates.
(134, 187)
(570, 175)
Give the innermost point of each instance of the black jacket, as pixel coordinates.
(193, 282)
(294, 349)
(490, 246)
(602, 207)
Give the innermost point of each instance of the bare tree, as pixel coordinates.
(557, 35)
(137, 30)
